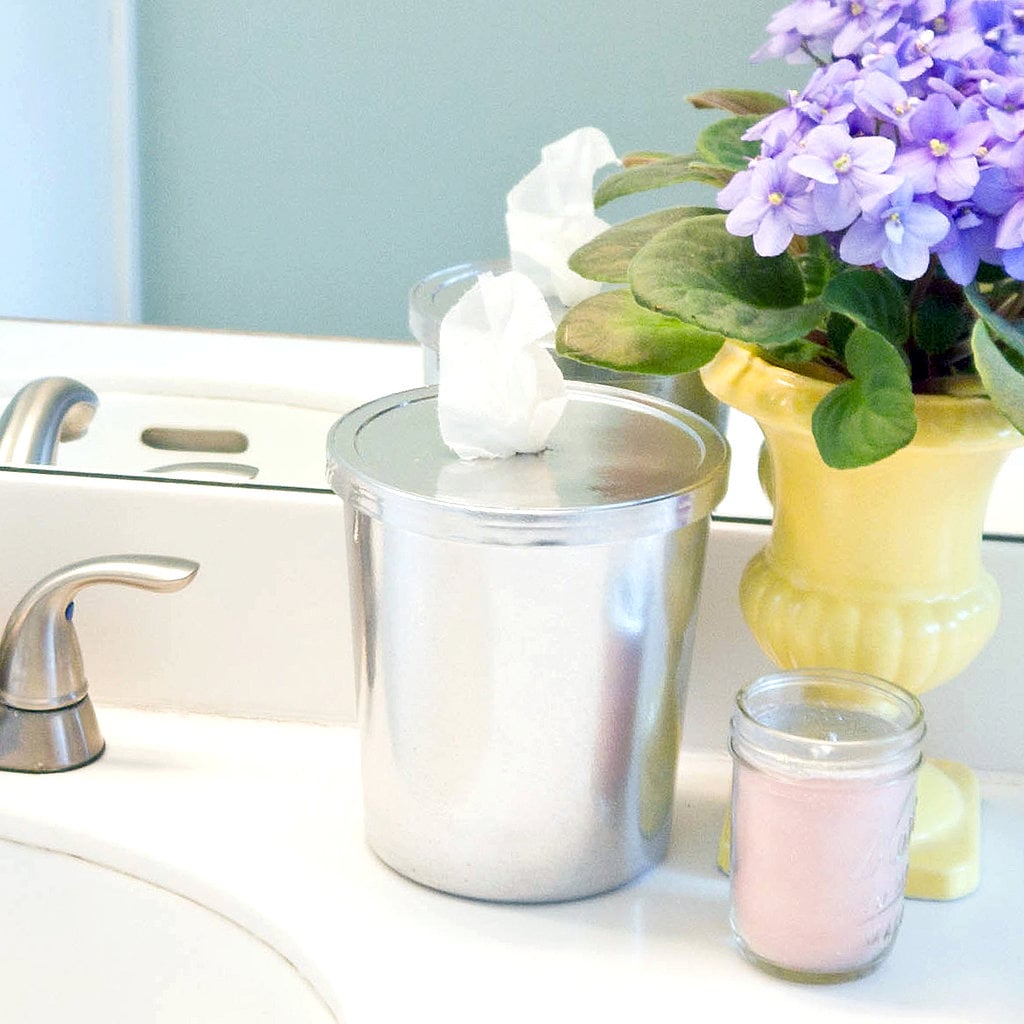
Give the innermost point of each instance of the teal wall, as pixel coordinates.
(57, 203)
(303, 163)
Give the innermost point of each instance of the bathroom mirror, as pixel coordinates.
(253, 410)
(292, 169)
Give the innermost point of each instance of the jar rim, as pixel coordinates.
(828, 719)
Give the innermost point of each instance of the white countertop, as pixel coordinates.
(261, 821)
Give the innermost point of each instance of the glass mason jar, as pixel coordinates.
(824, 773)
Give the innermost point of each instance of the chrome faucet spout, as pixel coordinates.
(41, 414)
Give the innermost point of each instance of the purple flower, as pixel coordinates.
(843, 28)
(956, 32)
(809, 18)
(970, 240)
(879, 95)
(909, 138)
(927, 11)
(898, 231)
(973, 226)
(1006, 154)
(996, 192)
(1009, 194)
(776, 206)
(999, 24)
(913, 49)
(828, 95)
(799, 21)
(864, 20)
(730, 195)
(1004, 106)
(955, 87)
(828, 98)
(944, 158)
(848, 173)
(1013, 263)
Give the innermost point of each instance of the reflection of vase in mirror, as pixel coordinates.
(432, 297)
(877, 569)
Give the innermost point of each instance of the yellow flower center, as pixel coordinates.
(894, 217)
(940, 26)
(776, 198)
(842, 163)
(981, 151)
(856, 9)
(938, 147)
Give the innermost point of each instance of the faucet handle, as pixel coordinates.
(40, 658)
(43, 688)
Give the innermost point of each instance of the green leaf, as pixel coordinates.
(606, 257)
(721, 143)
(988, 273)
(644, 156)
(817, 265)
(871, 299)
(1001, 373)
(738, 101)
(868, 418)
(795, 352)
(698, 272)
(611, 330)
(673, 170)
(940, 323)
(715, 174)
(1008, 333)
(838, 328)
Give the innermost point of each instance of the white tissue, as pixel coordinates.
(499, 390)
(550, 213)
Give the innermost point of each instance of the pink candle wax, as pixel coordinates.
(819, 866)
(822, 807)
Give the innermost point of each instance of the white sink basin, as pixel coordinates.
(89, 944)
(262, 822)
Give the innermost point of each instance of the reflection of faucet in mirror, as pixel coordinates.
(283, 393)
(42, 413)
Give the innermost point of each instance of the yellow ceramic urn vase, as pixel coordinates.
(878, 569)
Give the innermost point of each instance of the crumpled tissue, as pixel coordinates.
(500, 392)
(550, 213)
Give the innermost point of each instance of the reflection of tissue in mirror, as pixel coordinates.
(499, 390)
(551, 213)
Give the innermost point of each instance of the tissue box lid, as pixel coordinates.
(619, 464)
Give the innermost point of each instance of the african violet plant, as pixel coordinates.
(869, 229)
